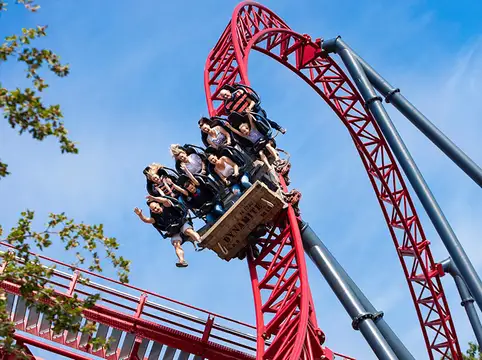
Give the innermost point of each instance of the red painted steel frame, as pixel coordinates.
(254, 27)
(130, 311)
(51, 348)
(145, 314)
(284, 308)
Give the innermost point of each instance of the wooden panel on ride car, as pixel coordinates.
(229, 235)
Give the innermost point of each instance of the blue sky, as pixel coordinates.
(136, 86)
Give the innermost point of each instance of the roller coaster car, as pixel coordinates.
(229, 237)
(256, 170)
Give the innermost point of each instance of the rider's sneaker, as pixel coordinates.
(198, 247)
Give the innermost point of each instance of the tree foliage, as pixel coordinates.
(473, 352)
(25, 111)
(23, 108)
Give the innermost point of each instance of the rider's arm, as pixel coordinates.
(180, 189)
(236, 131)
(233, 164)
(147, 220)
(252, 125)
(210, 142)
(159, 190)
(193, 179)
(226, 135)
(165, 202)
(221, 176)
(251, 105)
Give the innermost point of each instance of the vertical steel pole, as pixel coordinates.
(374, 103)
(316, 250)
(467, 301)
(392, 95)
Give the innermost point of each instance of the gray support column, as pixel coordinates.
(362, 320)
(392, 95)
(315, 249)
(374, 103)
(467, 301)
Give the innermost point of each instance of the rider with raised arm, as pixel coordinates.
(158, 182)
(187, 161)
(259, 141)
(215, 135)
(242, 101)
(170, 220)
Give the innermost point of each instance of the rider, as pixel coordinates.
(259, 141)
(199, 197)
(226, 169)
(158, 182)
(192, 162)
(242, 101)
(170, 220)
(215, 135)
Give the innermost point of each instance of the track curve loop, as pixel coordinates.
(254, 27)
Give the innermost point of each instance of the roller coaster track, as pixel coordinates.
(254, 27)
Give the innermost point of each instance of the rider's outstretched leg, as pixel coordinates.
(179, 252)
(265, 160)
(193, 236)
(273, 152)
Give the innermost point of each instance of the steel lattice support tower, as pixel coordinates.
(254, 27)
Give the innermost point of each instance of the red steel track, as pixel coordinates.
(254, 27)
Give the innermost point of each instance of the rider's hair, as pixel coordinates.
(211, 151)
(176, 149)
(204, 120)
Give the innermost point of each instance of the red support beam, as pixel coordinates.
(54, 348)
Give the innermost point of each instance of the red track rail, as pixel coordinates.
(254, 27)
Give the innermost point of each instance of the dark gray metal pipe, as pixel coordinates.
(374, 103)
(314, 247)
(362, 320)
(467, 301)
(393, 96)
